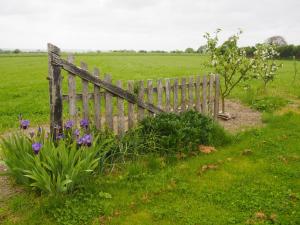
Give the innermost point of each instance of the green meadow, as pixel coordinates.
(254, 179)
(24, 87)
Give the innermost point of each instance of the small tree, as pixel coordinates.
(265, 66)
(229, 61)
(16, 51)
(189, 50)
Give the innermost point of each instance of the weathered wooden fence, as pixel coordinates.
(171, 95)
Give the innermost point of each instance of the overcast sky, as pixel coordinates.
(142, 24)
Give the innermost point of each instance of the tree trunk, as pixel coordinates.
(223, 104)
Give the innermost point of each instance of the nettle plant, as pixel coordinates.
(232, 63)
(265, 67)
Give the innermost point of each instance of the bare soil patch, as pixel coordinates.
(244, 117)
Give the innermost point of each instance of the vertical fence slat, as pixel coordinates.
(159, 93)
(183, 93)
(150, 93)
(130, 88)
(168, 95)
(72, 92)
(85, 94)
(197, 93)
(217, 93)
(120, 103)
(191, 90)
(108, 106)
(97, 102)
(55, 89)
(210, 95)
(175, 96)
(141, 91)
(204, 94)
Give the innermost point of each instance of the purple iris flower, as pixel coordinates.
(77, 133)
(84, 123)
(36, 147)
(69, 124)
(60, 136)
(85, 140)
(24, 124)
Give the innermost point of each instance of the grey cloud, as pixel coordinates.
(136, 24)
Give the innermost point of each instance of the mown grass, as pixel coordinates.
(24, 88)
(260, 186)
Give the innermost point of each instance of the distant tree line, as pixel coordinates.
(285, 51)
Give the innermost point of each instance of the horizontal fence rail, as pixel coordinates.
(118, 106)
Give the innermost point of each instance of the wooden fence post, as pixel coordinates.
(97, 102)
(72, 92)
(55, 92)
(204, 94)
(130, 88)
(85, 93)
(168, 95)
(108, 106)
(217, 94)
(120, 105)
(175, 96)
(197, 93)
(140, 111)
(183, 92)
(191, 92)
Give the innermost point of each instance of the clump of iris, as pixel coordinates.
(85, 140)
(36, 147)
(69, 125)
(84, 123)
(24, 124)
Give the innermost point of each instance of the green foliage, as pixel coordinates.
(265, 67)
(229, 61)
(169, 133)
(56, 168)
(265, 181)
(268, 104)
(81, 208)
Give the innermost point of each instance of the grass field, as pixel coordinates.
(226, 187)
(24, 88)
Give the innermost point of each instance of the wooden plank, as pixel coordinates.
(168, 95)
(55, 92)
(197, 93)
(217, 95)
(204, 95)
(103, 84)
(72, 92)
(85, 93)
(150, 93)
(108, 106)
(140, 112)
(97, 101)
(175, 96)
(190, 91)
(159, 94)
(210, 94)
(130, 88)
(183, 94)
(120, 105)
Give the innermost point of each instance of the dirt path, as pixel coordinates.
(244, 117)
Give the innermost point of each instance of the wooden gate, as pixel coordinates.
(192, 93)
